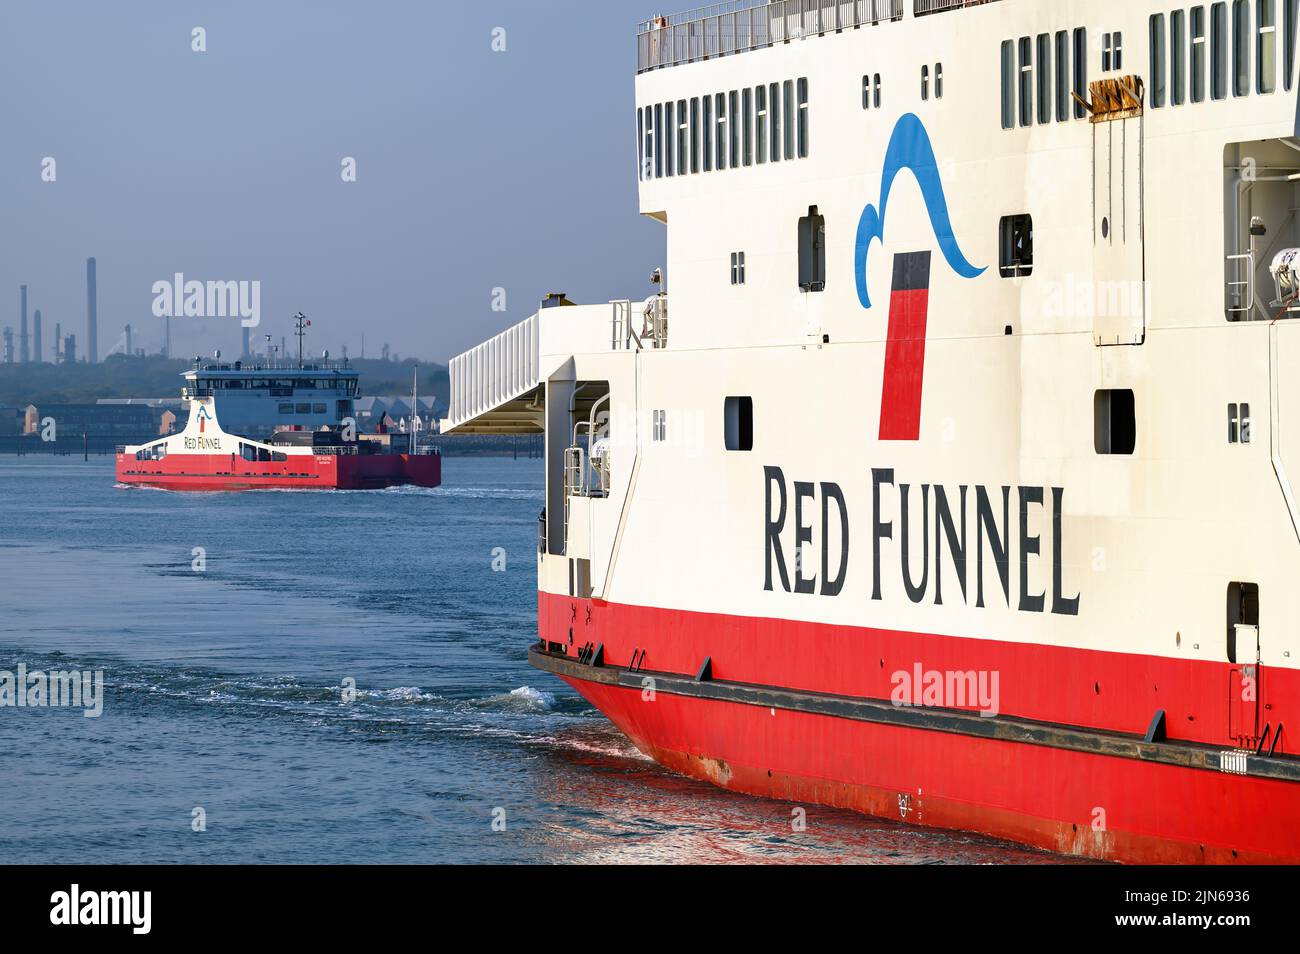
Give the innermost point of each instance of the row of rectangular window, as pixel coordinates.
(1185, 43)
(1055, 81)
(723, 130)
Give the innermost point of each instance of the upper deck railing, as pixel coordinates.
(736, 26)
(257, 365)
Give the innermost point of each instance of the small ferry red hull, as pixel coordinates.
(300, 472)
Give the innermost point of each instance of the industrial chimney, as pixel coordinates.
(36, 336)
(129, 350)
(23, 354)
(92, 318)
(58, 342)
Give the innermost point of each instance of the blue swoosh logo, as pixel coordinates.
(909, 148)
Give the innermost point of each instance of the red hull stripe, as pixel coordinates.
(331, 472)
(1089, 688)
(1061, 800)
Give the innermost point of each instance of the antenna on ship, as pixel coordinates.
(415, 382)
(300, 323)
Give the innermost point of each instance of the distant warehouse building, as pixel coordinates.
(12, 420)
(170, 413)
(96, 420)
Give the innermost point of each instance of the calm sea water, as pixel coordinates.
(224, 690)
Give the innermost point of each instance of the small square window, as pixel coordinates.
(1239, 424)
(738, 421)
(812, 251)
(660, 425)
(737, 268)
(1016, 246)
(1114, 428)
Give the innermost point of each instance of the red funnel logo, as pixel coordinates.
(909, 304)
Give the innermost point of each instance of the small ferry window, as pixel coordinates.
(286, 408)
(1266, 47)
(720, 135)
(706, 131)
(1026, 82)
(1105, 53)
(1080, 70)
(655, 138)
(733, 104)
(1016, 246)
(1177, 58)
(1117, 50)
(790, 119)
(737, 268)
(695, 134)
(1291, 26)
(866, 90)
(1198, 54)
(1114, 422)
(1219, 51)
(1008, 85)
(1158, 66)
(938, 81)
(925, 82)
(738, 414)
(647, 154)
(1062, 76)
(1044, 67)
(802, 93)
(747, 107)
(1240, 48)
(812, 251)
(875, 91)
(683, 140)
(670, 136)
(774, 106)
(1239, 424)
(760, 130)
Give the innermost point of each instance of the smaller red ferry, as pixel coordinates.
(280, 426)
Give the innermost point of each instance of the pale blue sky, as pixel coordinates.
(476, 169)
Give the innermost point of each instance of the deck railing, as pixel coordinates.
(740, 25)
(922, 7)
(736, 26)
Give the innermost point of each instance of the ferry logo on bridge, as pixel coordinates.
(900, 400)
